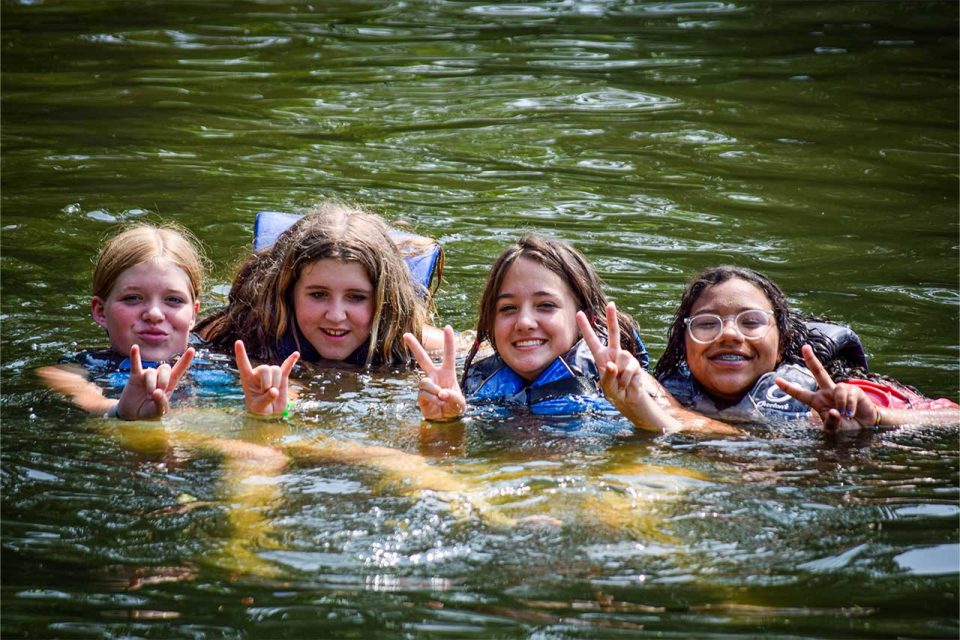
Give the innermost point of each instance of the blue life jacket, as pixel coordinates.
(764, 402)
(567, 387)
(206, 376)
(422, 263)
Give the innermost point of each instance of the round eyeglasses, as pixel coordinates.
(752, 324)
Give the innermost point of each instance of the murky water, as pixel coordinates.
(814, 141)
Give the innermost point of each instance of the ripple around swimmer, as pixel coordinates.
(613, 100)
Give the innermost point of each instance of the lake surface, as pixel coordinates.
(815, 141)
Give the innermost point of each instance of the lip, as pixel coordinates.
(528, 344)
(729, 358)
(339, 334)
(153, 336)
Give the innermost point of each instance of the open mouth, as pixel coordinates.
(730, 357)
(529, 344)
(335, 333)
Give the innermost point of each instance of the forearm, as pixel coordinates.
(896, 417)
(83, 393)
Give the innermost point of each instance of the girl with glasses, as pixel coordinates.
(738, 352)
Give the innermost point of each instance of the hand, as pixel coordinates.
(440, 396)
(621, 376)
(264, 388)
(840, 406)
(622, 379)
(146, 395)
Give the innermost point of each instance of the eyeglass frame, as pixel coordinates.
(736, 324)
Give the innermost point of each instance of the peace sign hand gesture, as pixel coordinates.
(146, 396)
(440, 396)
(264, 387)
(622, 379)
(842, 406)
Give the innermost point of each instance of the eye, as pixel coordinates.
(175, 300)
(131, 298)
(547, 306)
(318, 295)
(705, 323)
(357, 297)
(507, 308)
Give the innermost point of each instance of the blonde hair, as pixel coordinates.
(260, 305)
(143, 242)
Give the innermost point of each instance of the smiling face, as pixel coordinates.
(728, 367)
(150, 305)
(334, 305)
(535, 320)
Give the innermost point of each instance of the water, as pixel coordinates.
(814, 141)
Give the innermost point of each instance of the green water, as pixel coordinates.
(815, 141)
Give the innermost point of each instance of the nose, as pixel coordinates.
(526, 320)
(153, 313)
(730, 330)
(336, 311)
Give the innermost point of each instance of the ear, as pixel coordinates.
(98, 311)
(196, 310)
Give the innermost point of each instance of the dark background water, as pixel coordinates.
(815, 141)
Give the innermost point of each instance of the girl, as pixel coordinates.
(333, 287)
(146, 288)
(736, 350)
(529, 315)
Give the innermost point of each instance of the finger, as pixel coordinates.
(449, 349)
(419, 353)
(613, 327)
(180, 367)
(136, 366)
(149, 380)
(609, 375)
(160, 401)
(429, 386)
(287, 366)
(163, 376)
(832, 420)
(589, 335)
(243, 362)
(803, 395)
(264, 376)
(819, 372)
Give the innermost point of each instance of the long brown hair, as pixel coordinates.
(260, 305)
(572, 268)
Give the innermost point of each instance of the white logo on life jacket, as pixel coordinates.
(777, 395)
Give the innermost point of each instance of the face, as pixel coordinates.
(728, 367)
(333, 303)
(535, 320)
(151, 305)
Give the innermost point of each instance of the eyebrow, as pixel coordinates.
(540, 294)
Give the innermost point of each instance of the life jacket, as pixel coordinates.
(890, 395)
(764, 402)
(208, 375)
(421, 254)
(843, 344)
(567, 387)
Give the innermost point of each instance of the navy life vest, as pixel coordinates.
(567, 387)
(422, 260)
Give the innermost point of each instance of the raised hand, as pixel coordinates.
(146, 396)
(264, 387)
(440, 397)
(622, 379)
(838, 405)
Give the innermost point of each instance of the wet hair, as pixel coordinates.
(143, 242)
(260, 309)
(572, 268)
(792, 327)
